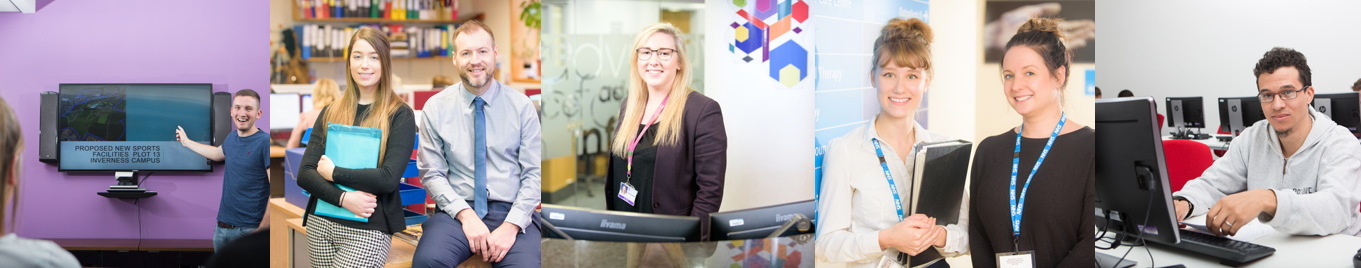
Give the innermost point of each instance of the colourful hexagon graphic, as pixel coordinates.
(788, 55)
(766, 8)
(739, 3)
(741, 34)
(753, 38)
(785, 8)
(799, 11)
(790, 75)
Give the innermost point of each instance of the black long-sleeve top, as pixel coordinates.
(381, 182)
(1057, 218)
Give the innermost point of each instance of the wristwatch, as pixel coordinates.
(1189, 207)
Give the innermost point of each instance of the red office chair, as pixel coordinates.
(1186, 160)
(1160, 122)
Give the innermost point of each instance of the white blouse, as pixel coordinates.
(855, 202)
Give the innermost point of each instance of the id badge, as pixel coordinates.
(892, 259)
(1023, 259)
(627, 192)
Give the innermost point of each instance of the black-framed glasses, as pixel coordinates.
(664, 54)
(1268, 97)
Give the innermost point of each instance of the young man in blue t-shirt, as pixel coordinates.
(245, 184)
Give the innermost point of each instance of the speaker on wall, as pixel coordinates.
(222, 117)
(47, 127)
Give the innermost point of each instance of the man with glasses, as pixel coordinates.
(1297, 171)
(479, 160)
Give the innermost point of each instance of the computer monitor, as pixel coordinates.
(306, 102)
(1131, 174)
(1186, 112)
(756, 223)
(1343, 108)
(284, 109)
(125, 127)
(1237, 113)
(617, 226)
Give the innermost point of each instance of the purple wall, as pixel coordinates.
(225, 43)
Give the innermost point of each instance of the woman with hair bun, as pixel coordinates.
(1050, 226)
(858, 223)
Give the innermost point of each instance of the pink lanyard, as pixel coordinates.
(634, 145)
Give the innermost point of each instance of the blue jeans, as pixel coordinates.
(222, 236)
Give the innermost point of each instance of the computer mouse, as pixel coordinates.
(1356, 260)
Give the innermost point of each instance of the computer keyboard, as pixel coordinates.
(1230, 252)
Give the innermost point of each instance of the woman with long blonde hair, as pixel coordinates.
(669, 151)
(325, 92)
(369, 101)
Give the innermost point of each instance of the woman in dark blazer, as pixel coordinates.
(669, 151)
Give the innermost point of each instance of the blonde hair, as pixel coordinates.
(385, 101)
(635, 105)
(11, 138)
(325, 92)
(907, 42)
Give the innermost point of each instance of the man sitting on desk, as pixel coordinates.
(245, 183)
(479, 153)
(1297, 171)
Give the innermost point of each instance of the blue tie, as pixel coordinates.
(480, 159)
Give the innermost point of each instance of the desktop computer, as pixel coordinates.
(1237, 113)
(1343, 108)
(575, 223)
(1186, 113)
(1133, 195)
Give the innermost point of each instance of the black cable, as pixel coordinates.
(1140, 237)
(1102, 236)
(137, 202)
(144, 177)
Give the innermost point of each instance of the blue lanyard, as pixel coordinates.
(897, 201)
(1016, 207)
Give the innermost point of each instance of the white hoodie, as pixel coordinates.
(1328, 164)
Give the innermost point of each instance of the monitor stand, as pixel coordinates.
(127, 187)
(1188, 134)
(1105, 260)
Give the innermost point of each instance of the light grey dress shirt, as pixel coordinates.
(513, 150)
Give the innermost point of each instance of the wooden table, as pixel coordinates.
(78, 244)
(205, 245)
(133, 244)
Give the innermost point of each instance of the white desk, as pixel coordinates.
(1291, 251)
(1213, 142)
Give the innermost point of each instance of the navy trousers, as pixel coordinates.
(443, 243)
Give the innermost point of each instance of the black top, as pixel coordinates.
(381, 181)
(1058, 216)
(644, 161)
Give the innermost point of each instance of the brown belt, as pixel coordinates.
(225, 225)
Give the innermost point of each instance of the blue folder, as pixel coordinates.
(350, 147)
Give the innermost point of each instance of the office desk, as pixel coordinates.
(1213, 142)
(1291, 251)
(792, 251)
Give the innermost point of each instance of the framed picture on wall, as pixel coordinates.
(1002, 18)
(524, 37)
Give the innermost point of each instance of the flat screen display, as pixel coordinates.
(118, 127)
